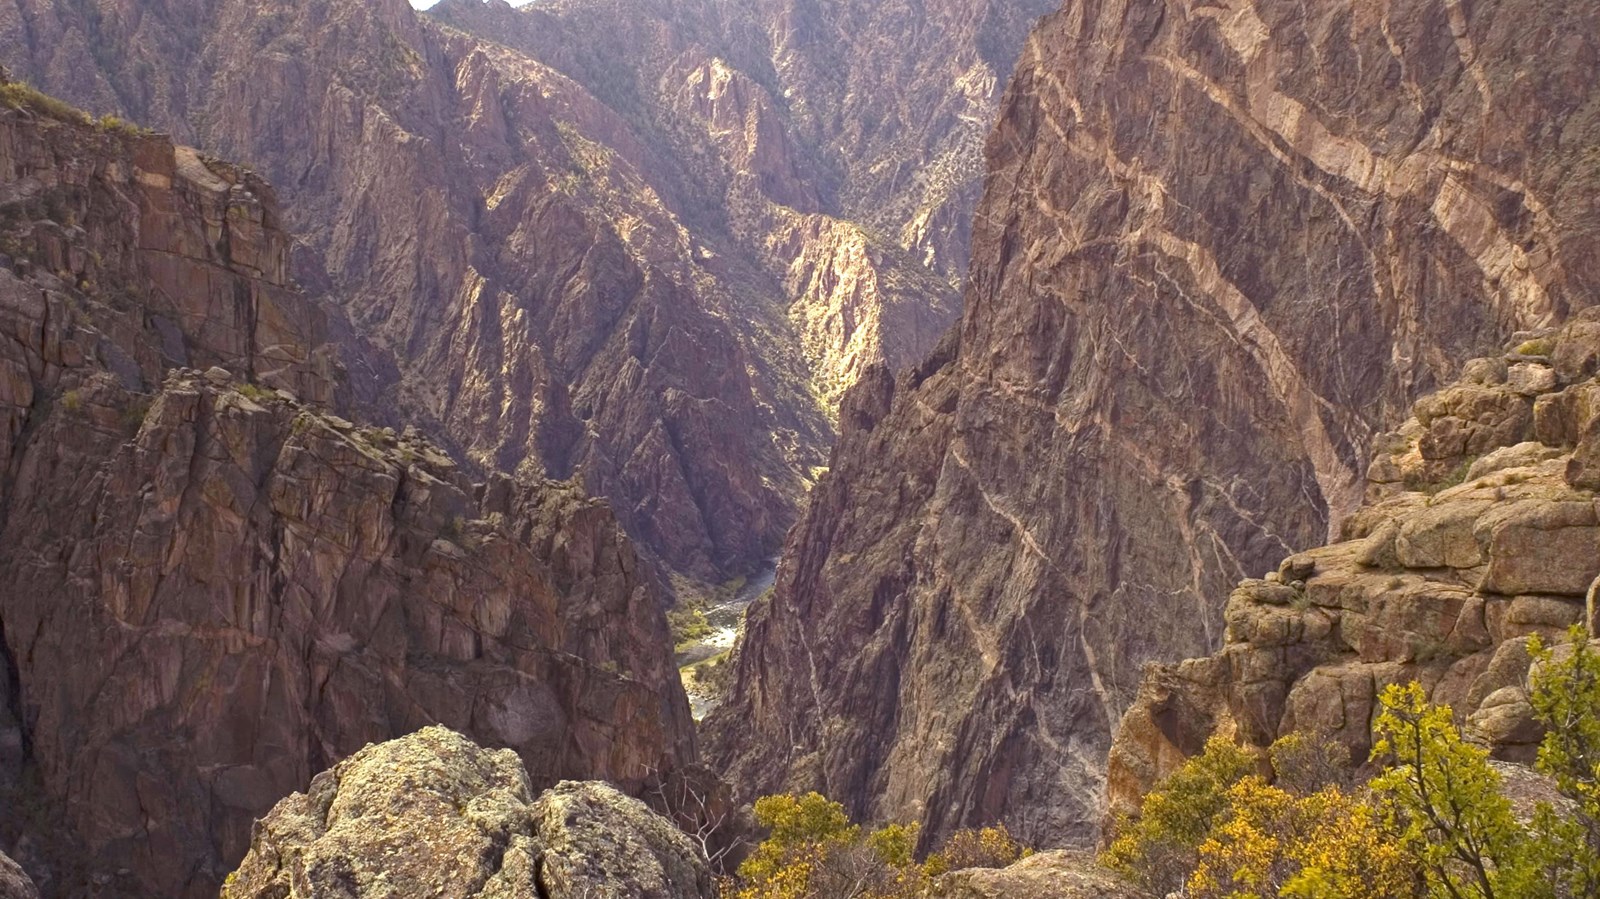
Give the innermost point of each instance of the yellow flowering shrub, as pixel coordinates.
(1159, 849)
(1271, 843)
(814, 851)
(990, 847)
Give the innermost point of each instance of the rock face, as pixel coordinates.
(14, 882)
(1046, 875)
(844, 139)
(1478, 532)
(635, 248)
(1221, 247)
(214, 585)
(432, 814)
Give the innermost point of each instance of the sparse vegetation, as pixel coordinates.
(814, 851)
(688, 623)
(121, 126)
(1435, 823)
(18, 95)
(1541, 346)
(254, 392)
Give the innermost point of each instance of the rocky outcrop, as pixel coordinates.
(432, 814)
(14, 882)
(1045, 875)
(1221, 248)
(1478, 533)
(214, 584)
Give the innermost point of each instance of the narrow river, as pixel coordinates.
(726, 618)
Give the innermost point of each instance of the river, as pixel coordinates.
(726, 618)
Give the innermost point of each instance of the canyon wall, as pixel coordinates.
(646, 248)
(1479, 532)
(215, 584)
(1220, 248)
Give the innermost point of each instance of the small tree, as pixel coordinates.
(1160, 848)
(1273, 843)
(1566, 699)
(1444, 801)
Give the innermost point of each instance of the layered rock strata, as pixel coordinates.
(1480, 531)
(215, 585)
(1221, 248)
(433, 814)
(842, 140)
(501, 246)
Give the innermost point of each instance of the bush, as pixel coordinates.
(1305, 763)
(1326, 845)
(1565, 698)
(814, 851)
(1435, 823)
(688, 624)
(17, 95)
(1161, 847)
(991, 847)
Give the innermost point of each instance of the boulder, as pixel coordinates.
(1541, 547)
(434, 815)
(1505, 721)
(14, 882)
(1047, 875)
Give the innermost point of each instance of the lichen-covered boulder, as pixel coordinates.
(1047, 875)
(434, 815)
(14, 882)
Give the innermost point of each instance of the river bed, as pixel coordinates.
(726, 618)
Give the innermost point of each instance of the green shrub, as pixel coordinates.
(254, 392)
(18, 95)
(1541, 346)
(688, 623)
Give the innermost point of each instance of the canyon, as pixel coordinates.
(1221, 249)
(643, 249)
(1252, 333)
(216, 585)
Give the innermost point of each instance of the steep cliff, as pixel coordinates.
(642, 248)
(214, 585)
(1221, 246)
(1480, 530)
(840, 141)
(497, 241)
